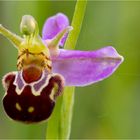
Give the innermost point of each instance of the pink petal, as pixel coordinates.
(80, 68)
(54, 25)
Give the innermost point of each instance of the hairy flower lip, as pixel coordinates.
(26, 106)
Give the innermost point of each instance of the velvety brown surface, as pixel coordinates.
(42, 105)
(31, 74)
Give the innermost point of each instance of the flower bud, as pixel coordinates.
(28, 25)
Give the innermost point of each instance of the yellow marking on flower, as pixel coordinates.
(34, 45)
(27, 58)
(31, 109)
(18, 107)
(53, 92)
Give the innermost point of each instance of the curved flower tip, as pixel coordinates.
(81, 68)
(54, 25)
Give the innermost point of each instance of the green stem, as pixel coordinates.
(59, 125)
(66, 112)
(76, 24)
(54, 122)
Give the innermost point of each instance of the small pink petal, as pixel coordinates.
(54, 25)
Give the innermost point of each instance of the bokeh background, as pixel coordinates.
(108, 109)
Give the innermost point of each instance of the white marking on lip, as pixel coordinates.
(34, 92)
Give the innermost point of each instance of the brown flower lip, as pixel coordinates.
(28, 107)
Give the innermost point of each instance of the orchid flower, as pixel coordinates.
(44, 69)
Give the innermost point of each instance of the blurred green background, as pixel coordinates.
(108, 109)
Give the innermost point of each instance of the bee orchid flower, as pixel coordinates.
(44, 68)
